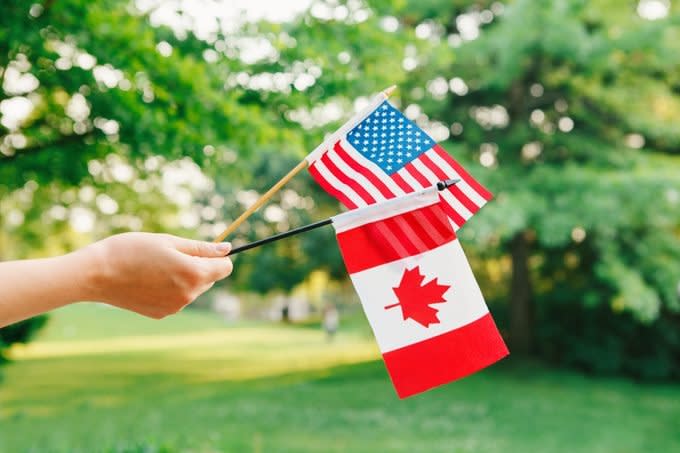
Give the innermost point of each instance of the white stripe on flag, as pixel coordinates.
(409, 179)
(358, 177)
(455, 204)
(335, 182)
(445, 194)
(464, 186)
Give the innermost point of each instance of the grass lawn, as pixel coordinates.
(101, 379)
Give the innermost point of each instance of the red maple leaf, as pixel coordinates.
(415, 297)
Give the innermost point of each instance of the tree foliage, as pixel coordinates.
(571, 107)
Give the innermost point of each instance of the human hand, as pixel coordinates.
(153, 274)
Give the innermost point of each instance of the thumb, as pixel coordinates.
(202, 248)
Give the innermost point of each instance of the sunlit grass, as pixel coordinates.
(105, 380)
(206, 354)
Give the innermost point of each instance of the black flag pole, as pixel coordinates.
(276, 237)
(441, 185)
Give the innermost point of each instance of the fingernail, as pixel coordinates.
(223, 247)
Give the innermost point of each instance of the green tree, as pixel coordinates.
(571, 106)
(96, 105)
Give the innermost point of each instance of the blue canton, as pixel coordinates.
(389, 139)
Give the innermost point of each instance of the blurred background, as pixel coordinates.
(173, 116)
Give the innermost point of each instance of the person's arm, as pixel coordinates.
(151, 274)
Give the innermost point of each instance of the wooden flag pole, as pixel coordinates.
(260, 201)
(275, 188)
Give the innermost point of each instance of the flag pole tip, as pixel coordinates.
(441, 185)
(389, 90)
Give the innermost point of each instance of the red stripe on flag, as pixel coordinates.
(481, 190)
(368, 174)
(379, 242)
(423, 230)
(383, 246)
(344, 178)
(469, 204)
(445, 358)
(394, 238)
(434, 168)
(438, 219)
(422, 180)
(318, 177)
(455, 190)
(405, 235)
(401, 183)
(451, 213)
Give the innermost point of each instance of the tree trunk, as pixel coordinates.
(521, 303)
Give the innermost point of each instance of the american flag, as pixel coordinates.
(386, 155)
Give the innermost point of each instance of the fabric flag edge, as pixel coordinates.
(465, 349)
(385, 209)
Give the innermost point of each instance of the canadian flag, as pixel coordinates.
(418, 292)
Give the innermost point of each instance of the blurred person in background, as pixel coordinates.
(151, 274)
(330, 321)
